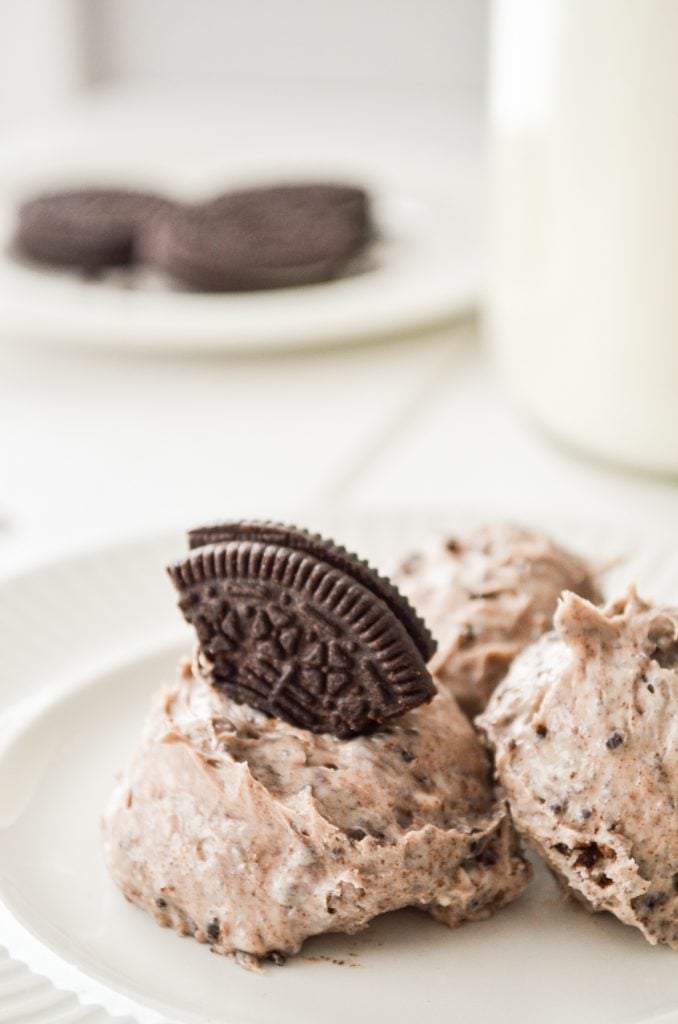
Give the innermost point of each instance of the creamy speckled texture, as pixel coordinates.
(486, 595)
(585, 730)
(252, 834)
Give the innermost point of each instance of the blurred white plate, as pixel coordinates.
(87, 641)
(423, 271)
(422, 164)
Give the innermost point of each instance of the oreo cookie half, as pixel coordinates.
(299, 628)
(327, 551)
(261, 238)
(86, 228)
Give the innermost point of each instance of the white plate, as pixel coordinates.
(88, 641)
(420, 157)
(422, 272)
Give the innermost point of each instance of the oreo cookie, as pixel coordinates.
(297, 627)
(266, 532)
(261, 238)
(86, 228)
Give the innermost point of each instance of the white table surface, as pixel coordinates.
(95, 447)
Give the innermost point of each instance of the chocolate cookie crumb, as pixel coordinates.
(589, 856)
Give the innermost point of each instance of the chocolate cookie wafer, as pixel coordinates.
(261, 238)
(267, 532)
(302, 630)
(86, 228)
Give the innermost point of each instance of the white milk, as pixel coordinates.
(583, 310)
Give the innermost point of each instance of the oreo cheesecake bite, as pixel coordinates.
(487, 594)
(585, 733)
(301, 775)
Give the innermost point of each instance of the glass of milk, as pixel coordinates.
(583, 301)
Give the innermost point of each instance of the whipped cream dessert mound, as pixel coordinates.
(252, 834)
(487, 594)
(585, 734)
